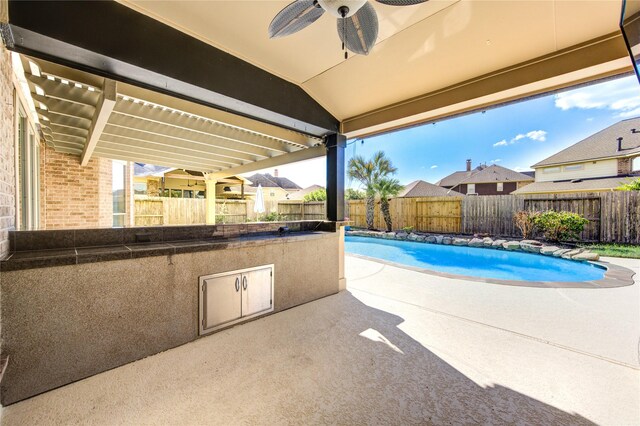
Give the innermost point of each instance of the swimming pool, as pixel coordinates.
(475, 262)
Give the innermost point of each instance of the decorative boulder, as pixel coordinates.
(487, 242)
(571, 253)
(586, 256)
(401, 235)
(531, 246)
(389, 235)
(476, 242)
(439, 239)
(511, 245)
(421, 238)
(412, 237)
(560, 252)
(549, 250)
(447, 241)
(497, 244)
(430, 239)
(460, 242)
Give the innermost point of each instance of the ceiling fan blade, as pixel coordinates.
(401, 2)
(359, 32)
(294, 17)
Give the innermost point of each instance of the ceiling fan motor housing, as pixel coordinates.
(335, 7)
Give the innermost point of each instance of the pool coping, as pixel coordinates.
(614, 276)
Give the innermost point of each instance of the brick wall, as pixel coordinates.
(7, 154)
(624, 166)
(74, 196)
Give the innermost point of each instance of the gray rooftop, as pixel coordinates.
(420, 188)
(581, 185)
(483, 174)
(603, 144)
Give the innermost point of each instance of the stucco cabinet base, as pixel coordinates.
(65, 323)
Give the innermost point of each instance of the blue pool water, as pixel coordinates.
(475, 262)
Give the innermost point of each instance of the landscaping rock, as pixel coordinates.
(549, 250)
(460, 242)
(476, 242)
(401, 235)
(439, 239)
(571, 253)
(430, 239)
(447, 241)
(531, 246)
(389, 235)
(421, 238)
(413, 237)
(511, 245)
(586, 256)
(560, 252)
(487, 242)
(498, 244)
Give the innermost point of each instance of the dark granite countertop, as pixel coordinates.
(41, 249)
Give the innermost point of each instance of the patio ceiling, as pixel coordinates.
(86, 115)
(431, 60)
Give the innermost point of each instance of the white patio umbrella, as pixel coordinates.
(258, 207)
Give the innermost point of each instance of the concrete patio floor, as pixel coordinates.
(400, 347)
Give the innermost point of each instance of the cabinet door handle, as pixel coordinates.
(237, 284)
(244, 283)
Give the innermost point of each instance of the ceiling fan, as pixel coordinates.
(357, 20)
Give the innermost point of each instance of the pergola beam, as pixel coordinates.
(105, 105)
(303, 154)
(156, 160)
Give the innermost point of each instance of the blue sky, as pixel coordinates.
(515, 136)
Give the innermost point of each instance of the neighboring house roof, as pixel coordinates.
(482, 174)
(420, 188)
(603, 144)
(269, 181)
(141, 169)
(531, 174)
(299, 195)
(576, 185)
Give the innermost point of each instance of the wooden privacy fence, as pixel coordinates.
(613, 216)
(150, 211)
(428, 214)
(300, 210)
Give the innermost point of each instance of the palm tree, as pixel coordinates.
(387, 188)
(369, 173)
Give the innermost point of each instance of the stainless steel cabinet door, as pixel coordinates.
(222, 300)
(256, 291)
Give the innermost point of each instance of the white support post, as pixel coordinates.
(106, 103)
(210, 189)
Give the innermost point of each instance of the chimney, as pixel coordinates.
(275, 173)
(469, 165)
(619, 144)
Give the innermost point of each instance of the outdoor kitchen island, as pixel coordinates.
(79, 302)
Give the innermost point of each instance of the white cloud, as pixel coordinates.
(537, 135)
(497, 160)
(434, 166)
(522, 169)
(621, 96)
(534, 135)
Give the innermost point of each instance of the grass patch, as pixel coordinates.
(615, 250)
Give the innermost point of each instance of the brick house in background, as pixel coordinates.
(485, 180)
(601, 162)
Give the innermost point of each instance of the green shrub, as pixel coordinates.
(354, 194)
(525, 221)
(560, 226)
(633, 185)
(317, 195)
(270, 217)
(408, 229)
